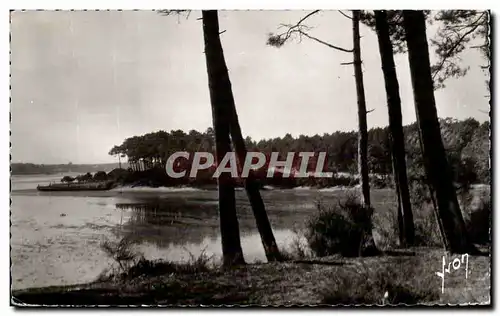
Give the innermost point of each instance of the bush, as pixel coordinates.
(298, 250)
(476, 207)
(118, 174)
(378, 182)
(132, 264)
(479, 225)
(339, 180)
(67, 179)
(160, 267)
(427, 231)
(476, 211)
(121, 252)
(340, 229)
(100, 176)
(386, 229)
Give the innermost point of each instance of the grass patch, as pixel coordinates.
(160, 267)
(402, 282)
(131, 264)
(408, 279)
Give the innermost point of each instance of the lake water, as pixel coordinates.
(57, 236)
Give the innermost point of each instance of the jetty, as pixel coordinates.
(86, 186)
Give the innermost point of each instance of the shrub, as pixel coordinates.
(477, 215)
(340, 229)
(298, 250)
(378, 182)
(427, 231)
(478, 227)
(118, 174)
(476, 211)
(133, 264)
(386, 232)
(121, 252)
(340, 180)
(386, 229)
(100, 176)
(160, 267)
(67, 179)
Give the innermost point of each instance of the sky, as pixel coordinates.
(81, 82)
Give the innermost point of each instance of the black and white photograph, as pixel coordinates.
(267, 158)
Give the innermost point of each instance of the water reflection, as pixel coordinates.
(211, 247)
(163, 223)
(177, 229)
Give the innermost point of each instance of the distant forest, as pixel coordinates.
(467, 144)
(30, 168)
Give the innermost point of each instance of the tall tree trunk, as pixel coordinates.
(363, 130)
(220, 99)
(436, 166)
(401, 228)
(368, 244)
(396, 130)
(252, 188)
(251, 185)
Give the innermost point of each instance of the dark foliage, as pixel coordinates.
(467, 145)
(100, 176)
(339, 229)
(458, 30)
(67, 179)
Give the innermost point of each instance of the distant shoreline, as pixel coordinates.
(148, 190)
(55, 169)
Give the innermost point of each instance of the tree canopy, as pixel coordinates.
(463, 139)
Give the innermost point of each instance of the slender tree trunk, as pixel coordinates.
(396, 130)
(436, 166)
(398, 194)
(363, 130)
(252, 189)
(251, 185)
(220, 98)
(368, 244)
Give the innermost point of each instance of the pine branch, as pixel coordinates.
(298, 28)
(340, 11)
(325, 43)
(457, 43)
(292, 28)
